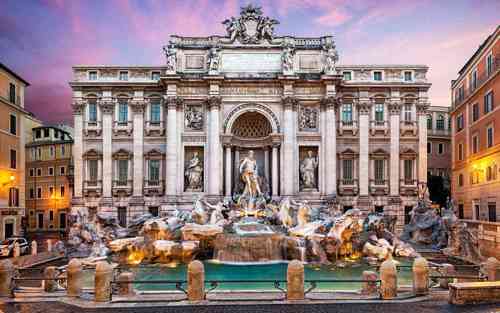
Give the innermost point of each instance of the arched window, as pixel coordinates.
(440, 122)
(429, 121)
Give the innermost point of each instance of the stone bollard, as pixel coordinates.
(17, 250)
(50, 284)
(7, 271)
(49, 245)
(102, 283)
(389, 279)
(34, 248)
(420, 277)
(196, 281)
(124, 287)
(447, 270)
(492, 269)
(75, 278)
(370, 284)
(295, 281)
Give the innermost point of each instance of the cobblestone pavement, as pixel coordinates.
(420, 307)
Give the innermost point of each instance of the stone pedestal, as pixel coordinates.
(6, 278)
(75, 278)
(50, 284)
(420, 277)
(295, 281)
(125, 288)
(370, 284)
(196, 281)
(102, 282)
(389, 280)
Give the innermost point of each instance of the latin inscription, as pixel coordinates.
(251, 90)
(258, 62)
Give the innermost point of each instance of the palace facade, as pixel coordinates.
(155, 138)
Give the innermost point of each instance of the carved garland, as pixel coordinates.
(244, 106)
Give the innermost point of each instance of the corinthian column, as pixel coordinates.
(138, 144)
(394, 111)
(364, 128)
(172, 103)
(422, 107)
(107, 109)
(330, 146)
(78, 109)
(214, 147)
(289, 146)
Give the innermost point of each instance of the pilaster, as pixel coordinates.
(172, 103)
(395, 113)
(78, 109)
(107, 108)
(330, 104)
(422, 107)
(364, 109)
(289, 146)
(138, 105)
(214, 146)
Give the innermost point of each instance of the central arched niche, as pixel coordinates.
(251, 125)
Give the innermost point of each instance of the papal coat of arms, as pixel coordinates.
(251, 26)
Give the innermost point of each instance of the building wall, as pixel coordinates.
(479, 170)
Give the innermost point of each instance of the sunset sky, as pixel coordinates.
(41, 40)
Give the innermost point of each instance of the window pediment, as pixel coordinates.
(154, 154)
(92, 154)
(122, 154)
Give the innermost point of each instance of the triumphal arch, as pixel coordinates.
(155, 138)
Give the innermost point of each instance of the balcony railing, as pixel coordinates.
(379, 186)
(122, 186)
(379, 126)
(153, 186)
(438, 132)
(92, 186)
(351, 126)
(483, 77)
(154, 127)
(348, 186)
(119, 127)
(92, 127)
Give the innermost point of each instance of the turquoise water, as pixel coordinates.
(274, 271)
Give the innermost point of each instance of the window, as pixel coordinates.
(473, 80)
(460, 122)
(154, 171)
(475, 144)
(155, 111)
(489, 64)
(379, 112)
(122, 112)
(429, 121)
(92, 170)
(12, 93)
(460, 152)
(32, 193)
(461, 211)
(377, 75)
(347, 75)
(492, 212)
(13, 159)
(408, 76)
(61, 191)
(51, 171)
(93, 75)
(32, 172)
(347, 169)
(122, 216)
(51, 215)
(460, 180)
(489, 137)
(347, 113)
(379, 209)
(440, 122)
(123, 75)
(92, 107)
(155, 75)
(475, 112)
(379, 172)
(489, 173)
(13, 197)
(440, 148)
(52, 151)
(408, 109)
(62, 170)
(153, 210)
(63, 150)
(429, 147)
(39, 192)
(122, 172)
(13, 124)
(38, 134)
(46, 132)
(461, 93)
(51, 191)
(56, 134)
(408, 170)
(38, 172)
(488, 102)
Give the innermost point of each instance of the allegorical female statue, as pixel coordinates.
(308, 171)
(194, 173)
(249, 175)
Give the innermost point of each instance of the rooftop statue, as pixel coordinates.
(171, 55)
(251, 26)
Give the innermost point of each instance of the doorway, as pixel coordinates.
(9, 230)
(492, 212)
(62, 220)
(40, 220)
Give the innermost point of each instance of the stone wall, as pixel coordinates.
(488, 234)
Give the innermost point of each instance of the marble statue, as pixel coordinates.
(213, 60)
(331, 58)
(251, 26)
(250, 176)
(266, 28)
(193, 118)
(303, 213)
(308, 171)
(233, 27)
(216, 217)
(287, 58)
(199, 214)
(194, 173)
(284, 213)
(171, 55)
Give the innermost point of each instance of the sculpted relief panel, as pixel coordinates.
(193, 117)
(308, 118)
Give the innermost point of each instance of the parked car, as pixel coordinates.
(7, 246)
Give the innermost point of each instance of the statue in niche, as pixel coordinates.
(171, 55)
(249, 175)
(194, 173)
(331, 58)
(213, 60)
(287, 58)
(308, 119)
(307, 170)
(193, 118)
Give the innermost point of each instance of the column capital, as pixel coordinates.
(394, 107)
(107, 106)
(289, 102)
(78, 106)
(226, 140)
(364, 107)
(173, 102)
(138, 106)
(331, 102)
(214, 102)
(422, 107)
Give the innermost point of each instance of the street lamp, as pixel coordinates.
(11, 180)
